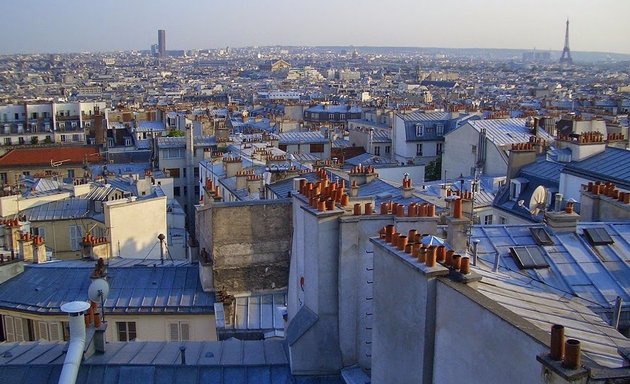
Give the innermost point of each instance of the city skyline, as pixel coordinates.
(35, 25)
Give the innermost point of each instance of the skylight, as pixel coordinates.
(598, 236)
(529, 257)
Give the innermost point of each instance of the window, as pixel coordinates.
(62, 124)
(440, 129)
(502, 220)
(179, 331)
(314, 115)
(176, 191)
(4, 178)
(63, 138)
(21, 140)
(173, 172)
(75, 237)
(377, 150)
(439, 147)
(127, 141)
(7, 141)
(49, 331)
(38, 231)
(17, 116)
(76, 138)
(317, 148)
(529, 257)
(474, 150)
(598, 236)
(185, 191)
(541, 237)
(487, 220)
(419, 129)
(126, 330)
(282, 147)
(183, 172)
(418, 149)
(174, 153)
(73, 124)
(387, 149)
(196, 172)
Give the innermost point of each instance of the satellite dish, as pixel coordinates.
(537, 202)
(98, 290)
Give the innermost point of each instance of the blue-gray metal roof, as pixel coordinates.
(507, 131)
(543, 169)
(66, 209)
(597, 274)
(180, 142)
(148, 126)
(609, 165)
(230, 361)
(328, 108)
(136, 288)
(308, 137)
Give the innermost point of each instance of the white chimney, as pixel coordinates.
(76, 310)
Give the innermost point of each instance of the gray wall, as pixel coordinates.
(249, 244)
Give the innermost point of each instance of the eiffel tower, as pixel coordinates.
(566, 52)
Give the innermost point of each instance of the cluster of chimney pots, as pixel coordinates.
(607, 189)
(411, 243)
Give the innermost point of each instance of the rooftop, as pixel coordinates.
(49, 155)
(229, 361)
(135, 287)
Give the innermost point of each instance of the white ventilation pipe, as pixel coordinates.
(74, 355)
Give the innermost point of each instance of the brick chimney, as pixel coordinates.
(406, 188)
(563, 221)
(232, 165)
(39, 250)
(521, 154)
(26, 247)
(456, 227)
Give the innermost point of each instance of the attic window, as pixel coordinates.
(541, 236)
(529, 257)
(598, 236)
(419, 130)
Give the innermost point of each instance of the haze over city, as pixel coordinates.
(38, 26)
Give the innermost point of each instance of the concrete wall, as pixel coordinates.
(404, 318)
(10, 269)
(602, 208)
(135, 225)
(396, 174)
(458, 156)
(487, 348)
(355, 287)
(249, 243)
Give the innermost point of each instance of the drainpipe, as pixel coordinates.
(74, 355)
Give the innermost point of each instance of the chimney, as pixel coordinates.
(360, 175)
(26, 247)
(562, 221)
(406, 188)
(456, 228)
(39, 250)
(241, 178)
(232, 165)
(521, 154)
(13, 231)
(74, 355)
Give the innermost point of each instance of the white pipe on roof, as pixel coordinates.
(74, 355)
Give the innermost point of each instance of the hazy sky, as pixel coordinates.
(112, 25)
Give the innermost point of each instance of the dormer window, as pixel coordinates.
(419, 129)
(516, 187)
(439, 129)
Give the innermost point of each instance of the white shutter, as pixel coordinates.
(43, 330)
(19, 329)
(185, 331)
(55, 331)
(9, 328)
(174, 331)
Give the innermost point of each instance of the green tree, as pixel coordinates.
(175, 133)
(433, 170)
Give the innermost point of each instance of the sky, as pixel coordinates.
(47, 26)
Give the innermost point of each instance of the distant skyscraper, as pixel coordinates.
(566, 53)
(161, 43)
